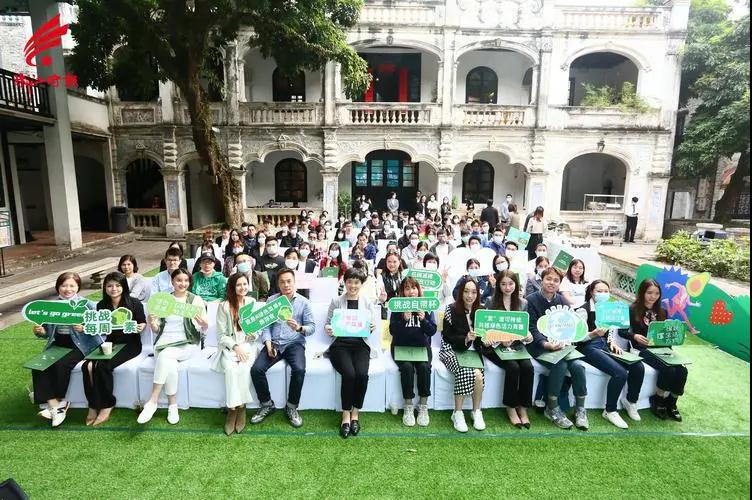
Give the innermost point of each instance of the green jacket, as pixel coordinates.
(211, 288)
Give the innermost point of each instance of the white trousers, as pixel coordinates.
(238, 376)
(167, 362)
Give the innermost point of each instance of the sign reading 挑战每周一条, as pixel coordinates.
(562, 324)
(254, 319)
(501, 326)
(351, 322)
(102, 322)
(413, 304)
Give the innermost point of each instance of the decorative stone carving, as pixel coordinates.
(137, 116)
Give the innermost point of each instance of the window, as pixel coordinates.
(290, 181)
(288, 89)
(361, 175)
(392, 173)
(477, 182)
(377, 173)
(481, 86)
(408, 174)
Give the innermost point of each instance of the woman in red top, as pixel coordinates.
(334, 258)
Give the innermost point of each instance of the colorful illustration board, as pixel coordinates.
(501, 326)
(351, 322)
(562, 324)
(55, 312)
(254, 318)
(612, 313)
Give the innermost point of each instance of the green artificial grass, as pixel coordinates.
(706, 455)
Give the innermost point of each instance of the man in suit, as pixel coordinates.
(490, 214)
(632, 213)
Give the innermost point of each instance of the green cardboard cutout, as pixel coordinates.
(163, 304)
(428, 280)
(418, 304)
(562, 324)
(55, 312)
(253, 318)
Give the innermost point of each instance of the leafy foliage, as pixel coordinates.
(344, 204)
(722, 258)
(605, 96)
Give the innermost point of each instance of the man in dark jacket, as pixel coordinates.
(490, 214)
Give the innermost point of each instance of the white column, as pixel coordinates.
(448, 76)
(174, 187)
(653, 208)
(241, 80)
(536, 191)
(330, 94)
(544, 77)
(58, 144)
(445, 181)
(14, 185)
(231, 84)
(166, 95)
(534, 85)
(331, 191)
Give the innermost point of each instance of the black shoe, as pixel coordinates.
(263, 412)
(526, 425)
(344, 430)
(658, 407)
(354, 428)
(519, 425)
(671, 410)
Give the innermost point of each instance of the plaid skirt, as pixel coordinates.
(464, 378)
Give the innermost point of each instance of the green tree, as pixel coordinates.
(715, 72)
(179, 36)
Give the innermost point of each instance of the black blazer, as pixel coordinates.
(455, 331)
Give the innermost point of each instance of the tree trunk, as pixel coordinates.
(210, 153)
(725, 205)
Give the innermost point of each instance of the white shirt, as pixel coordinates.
(576, 290)
(631, 209)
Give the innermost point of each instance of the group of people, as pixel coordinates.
(241, 267)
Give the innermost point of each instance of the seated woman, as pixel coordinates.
(236, 353)
(334, 258)
(486, 283)
(533, 284)
(98, 375)
(389, 280)
(596, 350)
(413, 329)
(176, 339)
(458, 335)
(574, 284)
(671, 378)
(431, 263)
(51, 384)
(234, 247)
(351, 356)
(518, 374)
(209, 246)
(537, 305)
(138, 286)
(258, 281)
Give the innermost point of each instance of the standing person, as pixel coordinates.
(176, 339)
(97, 375)
(138, 286)
(536, 226)
(514, 216)
(489, 215)
(671, 378)
(458, 335)
(432, 204)
(162, 282)
(574, 285)
(537, 304)
(208, 284)
(223, 239)
(518, 374)
(504, 212)
(413, 329)
(284, 340)
(392, 203)
(446, 208)
(596, 349)
(270, 262)
(51, 384)
(350, 356)
(236, 352)
(632, 213)
(422, 207)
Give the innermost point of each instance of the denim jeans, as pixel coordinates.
(558, 372)
(294, 354)
(621, 374)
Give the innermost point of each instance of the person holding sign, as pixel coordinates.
(461, 352)
(334, 258)
(176, 339)
(518, 373)
(97, 374)
(350, 353)
(411, 350)
(284, 340)
(236, 352)
(671, 378)
(574, 284)
(537, 304)
(51, 384)
(597, 349)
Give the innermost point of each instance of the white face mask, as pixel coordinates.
(473, 272)
(601, 296)
(334, 254)
(541, 253)
(422, 254)
(413, 243)
(291, 264)
(432, 266)
(498, 240)
(272, 250)
(305, 253)
(502, 266)
(474, 248)
(408, 232)
(539, 271)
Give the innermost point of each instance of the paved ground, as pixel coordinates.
(148, 254)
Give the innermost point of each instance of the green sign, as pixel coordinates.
(626, 357)
(163, 304)
(430, 280)
(47, 358)
(351, 322)
(553, 357)
(252, 321)
(469, 359)
(665, 333)
(410, 353)
(431, 294)
(520, 237)
(501, 326)
(667, 356)
(55, 312)
(417, 304)
(562, 324)
(562, 260)
(612, 313)
(102, 322)
(97, 354)
(330, 272)
(512, 354)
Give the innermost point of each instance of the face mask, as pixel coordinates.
(271, 251)
(502, 266)
(261, 240)
(465, 239)
(541, 253)
(291, 264)
(422, 254)
(485, 229)
(387, 229)
(413, 243)
(284, 232)
(334, 254)
(431, 238)
(539, 271)
(473, 272)
(244, 267)
(498, 240)
(305, 253)
(602, 296)
(474, 248)
(432, 266)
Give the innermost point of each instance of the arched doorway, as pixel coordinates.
(383, 172)
(477, 182)
(144, 184)
(593, 173)
(92, 196)
(203, 197)
(291, 182)
(598, 70)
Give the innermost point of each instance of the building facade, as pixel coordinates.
(471, 100)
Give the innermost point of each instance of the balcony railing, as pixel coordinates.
(278, 216)
(397, 14)
(614, 18)
(148, 220)
(280, 113)
(492, 115)
(371, 113)
(24, 98)
(561, 117)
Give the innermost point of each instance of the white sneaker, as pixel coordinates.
(478, 423)
(172, 414)
(458, 419)
(58, 414)
(46, 414)
(423, 415)
(147, 412)
(408, 418)
(615, 418)
(631, 409)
